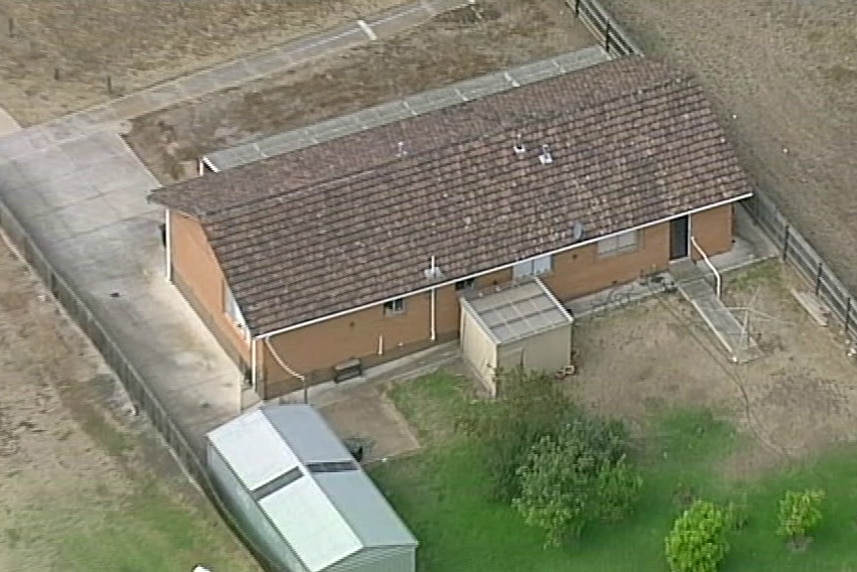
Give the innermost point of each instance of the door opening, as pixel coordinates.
(680, 238)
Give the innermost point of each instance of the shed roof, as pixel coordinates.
(517, 312)
(348, 223)
(307, 483)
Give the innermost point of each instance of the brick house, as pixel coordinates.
(359, 247)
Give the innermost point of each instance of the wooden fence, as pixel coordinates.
(794, 249)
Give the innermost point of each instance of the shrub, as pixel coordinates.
(697, 542)
(800, 512)
(575, 477)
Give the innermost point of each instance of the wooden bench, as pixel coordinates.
(347, 370)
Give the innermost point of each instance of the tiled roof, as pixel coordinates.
(348, 223)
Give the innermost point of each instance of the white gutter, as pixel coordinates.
(168, 246)
(502, 267)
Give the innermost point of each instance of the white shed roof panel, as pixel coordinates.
(517, 312)
(311, 524)
(254, 449)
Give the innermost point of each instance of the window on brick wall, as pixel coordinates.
(394, 307)
(534, 267)
(619, 244)
(231, 309)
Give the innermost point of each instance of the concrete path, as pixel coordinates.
(245, 70)
(693, 286)
(80, 192)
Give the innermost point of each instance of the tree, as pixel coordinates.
(575, 477)
(800, 512)
(697, 542)
(529, 406)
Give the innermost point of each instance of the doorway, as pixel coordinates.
(680, 238)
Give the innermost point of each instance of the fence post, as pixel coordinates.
(607, 37)
(847, 314)
(786, 243)
(818, 274)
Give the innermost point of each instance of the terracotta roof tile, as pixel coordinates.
(347, 223)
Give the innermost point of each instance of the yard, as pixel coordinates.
(84, 484)
(457, 45)
(784, 77)
(703, 427)
(140, 43)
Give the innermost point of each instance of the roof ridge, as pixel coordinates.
(543, 118)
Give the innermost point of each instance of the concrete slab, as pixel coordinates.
(8, 124)
(84, 204)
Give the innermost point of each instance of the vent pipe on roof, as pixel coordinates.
(520, 148)
(545, 157)
(401, 152)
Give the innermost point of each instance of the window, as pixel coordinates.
(231, 309)
(621, 243)
(394, 307)
(534, 267)
(465, 284)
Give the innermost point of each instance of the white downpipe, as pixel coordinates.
(433, 332)
(253, 365)
(168, 247)
(381, 345)
(286, 368)
(717, 280)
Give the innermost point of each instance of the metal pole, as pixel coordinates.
(786, 244)
(607, 38)
(847, 315)
(576, 8)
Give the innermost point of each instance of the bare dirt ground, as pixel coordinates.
(799, 397)
(83, 483)
(787, 69)
(139, 43)
(455, 46)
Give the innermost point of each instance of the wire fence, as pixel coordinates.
(794, 249)
(138, 391)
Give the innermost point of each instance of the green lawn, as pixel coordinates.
(440, 494)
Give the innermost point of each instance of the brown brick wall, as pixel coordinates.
(583, 271)
(197, 275)
(313, 350)
(712, 230)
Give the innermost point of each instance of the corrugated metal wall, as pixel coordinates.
(478, 349)
(249, 515)
(382, 559)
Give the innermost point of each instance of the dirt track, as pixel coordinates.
(139, 43)
(787, 69)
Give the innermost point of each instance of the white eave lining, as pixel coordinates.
(497, 268)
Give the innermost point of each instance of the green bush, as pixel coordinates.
(575, 477)
(800, 512)
(697, 542)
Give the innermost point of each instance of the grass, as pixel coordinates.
(440, 493)
(151, 530)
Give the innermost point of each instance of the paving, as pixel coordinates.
(80, 193)
(694, 285)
